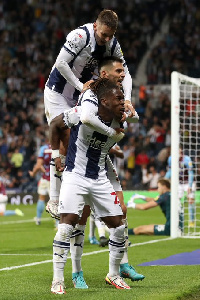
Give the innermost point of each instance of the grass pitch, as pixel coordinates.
(26, 267)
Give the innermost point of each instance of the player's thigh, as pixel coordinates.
(73, 194)
(55, 104)
(161, 230)
(104, 199)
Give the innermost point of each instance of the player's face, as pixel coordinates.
(102, 33)
(116, 104)
(114, 73)
(160, 188)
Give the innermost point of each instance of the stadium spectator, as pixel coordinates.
(150, 177)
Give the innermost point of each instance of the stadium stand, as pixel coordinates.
(31, 34)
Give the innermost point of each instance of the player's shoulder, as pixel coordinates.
(89, 95)
(77, 38)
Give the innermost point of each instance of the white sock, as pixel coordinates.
(116, 249)
(76, 247)
(92, 226)
(55, 181)
(125, 256)
(100, 227)
(61, 246)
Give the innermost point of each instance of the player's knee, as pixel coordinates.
(113, 222)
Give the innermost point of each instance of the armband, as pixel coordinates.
(55, 153)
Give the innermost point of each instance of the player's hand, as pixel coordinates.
(58, 164)
(129, 109)
(86, 85)
(119, 135)
(31, 173)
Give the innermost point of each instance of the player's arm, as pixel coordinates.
(38, 167)
(115, 150)
(75, 42)
(145, 206)
(89, 117)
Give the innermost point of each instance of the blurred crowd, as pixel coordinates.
(31, 35)
(179, 49)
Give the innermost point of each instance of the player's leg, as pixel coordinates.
(191, 207)
(42, 192)
(55, 104)
(102, 228)
(127, 270)
(4, 212)
(106, 205)
(116, 250)
(70, 211)
(76, 250)
(92, 226)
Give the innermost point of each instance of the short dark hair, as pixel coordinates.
(165, 182)
(109, 60)
(109, 18)
(102, 86)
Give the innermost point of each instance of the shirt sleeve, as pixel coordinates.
(75, 42)
(90, 118)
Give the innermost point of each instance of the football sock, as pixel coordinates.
(61, 247)
(191, 211)
(55, 181)
(125, 256)
(131, 231)
(9, 213)
(40, 208)
(100, 227)
(76, 247)
(116, 249)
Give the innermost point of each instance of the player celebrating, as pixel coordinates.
(186, 182)
(42, 165)
(164, 202)
(112, 68)
(72, 73)
(85, 181)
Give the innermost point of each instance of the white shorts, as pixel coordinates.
(182, 188)
(55, 104)
(77, 191)
(43, 187)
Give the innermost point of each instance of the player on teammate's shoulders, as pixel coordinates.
(163, 200)
(186, 182)
(72, 73)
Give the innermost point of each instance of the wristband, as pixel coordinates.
(55, 153)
